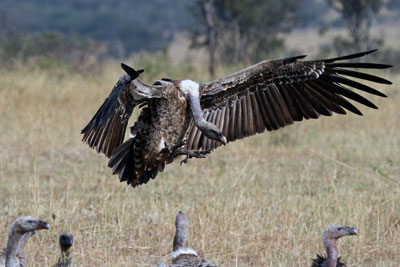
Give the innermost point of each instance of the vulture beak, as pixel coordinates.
(223, 140)
(43, 225)
(351, 231)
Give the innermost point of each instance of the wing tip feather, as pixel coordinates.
(130, 71)
(293, 59)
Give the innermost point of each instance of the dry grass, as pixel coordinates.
(263, 201)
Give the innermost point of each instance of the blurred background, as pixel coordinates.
(210, 32)
(261, 201)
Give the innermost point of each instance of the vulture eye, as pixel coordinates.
(340, 229)
(157, 83)
(30, 221)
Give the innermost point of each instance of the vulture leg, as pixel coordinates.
(180, 150)
(194, 154)
(174, 150)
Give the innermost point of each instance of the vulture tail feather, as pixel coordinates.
(127, 162)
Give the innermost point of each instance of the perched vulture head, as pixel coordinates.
(26, 224)
(66, 241)
(336, 231)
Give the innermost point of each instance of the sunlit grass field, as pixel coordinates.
(263, 201)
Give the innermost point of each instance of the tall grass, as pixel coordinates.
(263, 201)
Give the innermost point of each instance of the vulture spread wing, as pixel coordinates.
(106, 130)
(276, 93)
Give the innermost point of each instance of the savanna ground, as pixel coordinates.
(263, 201)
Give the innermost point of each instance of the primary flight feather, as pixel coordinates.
(184, 117)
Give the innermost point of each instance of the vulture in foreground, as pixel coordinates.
(66, 241)
(20, 231)
(331, 234)
(184, 117)
(20, 256)
(182, 256)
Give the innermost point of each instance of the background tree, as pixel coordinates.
(126, 26)
(211, 23)
(358, 16)
(245, 30)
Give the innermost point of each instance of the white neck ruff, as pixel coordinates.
(183, 251)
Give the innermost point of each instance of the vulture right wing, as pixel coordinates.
(276, 93)
(106, 130)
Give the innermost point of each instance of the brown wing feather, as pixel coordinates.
(258, 124)
(225, 127)
(239, 119)
(232, 118)
(106, 130)
(273, 94)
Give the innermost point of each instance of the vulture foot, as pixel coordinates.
(180, 150)
(194, 154)
(179, 145)
(175, 150)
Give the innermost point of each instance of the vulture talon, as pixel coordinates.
(194, 154)
(180, 145)
(185, 160)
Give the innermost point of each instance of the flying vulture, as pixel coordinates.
(184, 117)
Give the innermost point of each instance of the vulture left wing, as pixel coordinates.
(106, 130)
(275, 93)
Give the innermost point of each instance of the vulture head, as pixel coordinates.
(26, 224)
(336, 231)
(66, 241)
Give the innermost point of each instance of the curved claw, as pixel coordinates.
(195, 154)
(185, 160)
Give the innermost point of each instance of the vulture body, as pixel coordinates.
(19, 233)
(182, 256)
(331, 234)
(192, 119)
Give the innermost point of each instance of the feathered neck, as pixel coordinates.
(14, 235)
(66, 258)
(183, 251)
(331, 251)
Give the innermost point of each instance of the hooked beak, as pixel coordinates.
(223, 140)
(351, 231)
(43, 225)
